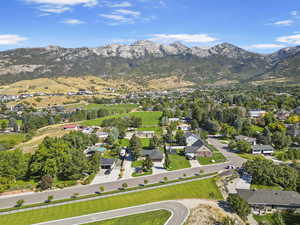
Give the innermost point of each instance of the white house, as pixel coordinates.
(257, 113)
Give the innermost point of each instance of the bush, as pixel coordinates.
(239, 205)
(19, 203)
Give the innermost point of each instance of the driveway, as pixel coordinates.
(101, 177)
(158, 167)
(178, 217)
(194, 163)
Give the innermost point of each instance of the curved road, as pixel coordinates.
(178, 217)
(31, 198)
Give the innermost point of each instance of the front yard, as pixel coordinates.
(178, 162)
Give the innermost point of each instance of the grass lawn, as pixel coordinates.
(256, 186)
(136, 164)
(178, 162)
(125, 142)
(150, 218)
(142, 174)
(158, 131)
(218, 157)
(8, 141)
(289, 219)
(149, 119)
(116, 108)
(249, 156)
(196, 189)
(257, 129)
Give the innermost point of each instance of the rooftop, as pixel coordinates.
(270, 197)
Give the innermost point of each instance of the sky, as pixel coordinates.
(257, 25)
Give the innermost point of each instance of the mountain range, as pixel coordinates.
(146, 60)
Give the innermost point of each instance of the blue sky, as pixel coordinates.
(257, 25)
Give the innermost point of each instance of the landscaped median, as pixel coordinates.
(205, 188)
(149, 218)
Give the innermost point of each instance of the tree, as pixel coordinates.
(293, 119)
(46, 182)
(3, 125)
(167, 161)
(147, 164)
(194, 124)
(146, 182)
(19, 203)
(243, 146)
(180, 138)
(101, 188)
(281, 140)
(135, 146)
(228, 131)
(75, 195)
(50, 198)
(124, 186)
(239, 205)
(154, 142)
(165, 179)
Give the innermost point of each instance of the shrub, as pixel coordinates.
(20, 202)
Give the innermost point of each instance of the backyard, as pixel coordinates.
(206, 188)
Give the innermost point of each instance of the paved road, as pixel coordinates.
(233, 159)
(178, 217)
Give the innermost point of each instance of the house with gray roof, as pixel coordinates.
(195, 147)
(269, 201)
(262, 149)
(250, 140)
(154, 154)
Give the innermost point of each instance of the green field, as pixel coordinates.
(149, 119)
(8, 141)
(158, 131)
(144, 141)
(115, 108)
(289, 219)
(178, 162)
(137, 163)
(256, 186)
(195, 189)
(150, 218)
(218, 157)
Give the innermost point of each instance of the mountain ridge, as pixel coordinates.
(146, 60)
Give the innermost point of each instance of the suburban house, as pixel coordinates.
(257, 113)
(293, 129)
(195, 147)
(145, 134)
(269, 201)
(282, 115)
(297, 110)
(250, 140)
(262, 149)
(170, 120)
(154, 154)
(102, 134)
(107, 164)
(71, 127)
(184, 127)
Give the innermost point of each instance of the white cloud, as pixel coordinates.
(292, 39)
(11, 39)
(265, 46)
(189, 38)
(60, 6)
(284, 22)
(128, 12)
(122, 16)
(88, 3)
(73, 21)
(124, 4)
(295, 13)
(54, 9)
